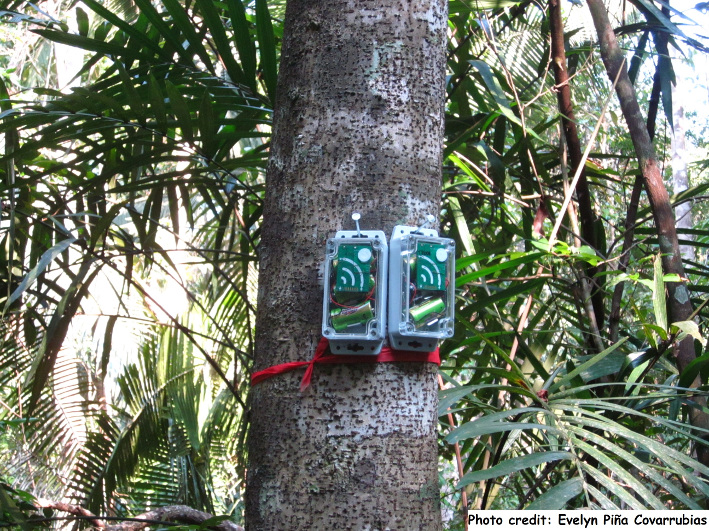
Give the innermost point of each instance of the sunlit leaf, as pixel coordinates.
(557, 497)
(509, 466)
(47, 258)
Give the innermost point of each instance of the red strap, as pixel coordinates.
(387, 355)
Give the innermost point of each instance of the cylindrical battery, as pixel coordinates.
(423, 310)
(343, 318)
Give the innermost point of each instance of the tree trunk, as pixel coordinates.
(631, 215)
(679, 305)
(358, 126)
(573, 143)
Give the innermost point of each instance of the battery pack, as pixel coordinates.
(432, 308)
(343, 318)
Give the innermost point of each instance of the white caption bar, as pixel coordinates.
(591, 520)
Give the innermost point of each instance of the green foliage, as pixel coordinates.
(16, 508)
(550, 410)
(140, 185)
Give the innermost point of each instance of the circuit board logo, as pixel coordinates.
(353, 268)
(431, 266)
(351, 277)
(429, 273)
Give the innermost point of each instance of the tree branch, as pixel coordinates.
(180, 514)
(75, 510)
(173, 513)
(632, 213)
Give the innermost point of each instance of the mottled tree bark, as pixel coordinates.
(573, 142)
(679, 305)
(358, 126)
